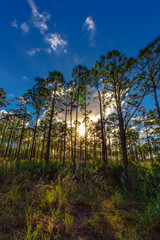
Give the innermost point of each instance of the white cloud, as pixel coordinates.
(39, 20)
(11, 95)
(33, 51)
(48, 50)
(90, 27)
(25, 78)
(14, 23)
(56, 42)
(25, 28)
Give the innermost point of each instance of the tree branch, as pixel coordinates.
(135, 109)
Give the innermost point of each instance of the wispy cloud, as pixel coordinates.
(39, 20)
(14, 23)
(90, 27)
(48, 50)
(56, 42)
(11, 95)
(33, 51)
(25, 28)
(25, 78)
(77, 59)
(90, 24)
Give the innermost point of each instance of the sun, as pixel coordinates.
(81, 130)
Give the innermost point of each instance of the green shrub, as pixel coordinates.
(152, 213)
(29, 170)
(144, 182)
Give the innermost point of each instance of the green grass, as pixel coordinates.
(39, 202)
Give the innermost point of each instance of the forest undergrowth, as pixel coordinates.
(51, 203)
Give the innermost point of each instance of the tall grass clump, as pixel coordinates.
(145, 181)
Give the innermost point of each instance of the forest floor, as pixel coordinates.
(54, 204)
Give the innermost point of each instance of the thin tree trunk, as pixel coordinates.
(94, 148)
(10, 150)
(149, 147)
(28, 143)
(71, 131)
(21, 137)
(80, 154)
(65, 133)
(37, 155)
(58, 149)
(122, 132)
(156, 99)
(109, 146)
(136, 153)
(85, 132)
(123, 144)
(61, 150)
(34, 135)
(44, 138)
(4, 134)
(102, 130)
(131, 152)
(50, 127)
(75, 137)
(9, 139)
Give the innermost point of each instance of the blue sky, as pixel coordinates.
(38, 36)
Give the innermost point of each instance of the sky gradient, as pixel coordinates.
(37, 37)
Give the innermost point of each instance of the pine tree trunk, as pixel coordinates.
(94, 148)
(75, 137)
(4, 134)
(122, 132)
(156, 99)
(34, 135)
(71, 131)
(65, 133)
(109, 146)
(61, 149)
(50, 127)
(149, 147)
(80, 153)
(11, 148)
(37, 155)
(123, 140)
(9, 139)
(44, 138)
(102, 130)
(21, 137)
(75, 140)
(85, 159)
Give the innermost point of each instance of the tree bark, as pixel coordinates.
(21, 137)
(71, 131)
(156, 99)
(123, 143)
(9, 139)
(102, 130)
(75, 139)
(44, 138)
(65, 133)
(50, 127)
(149, 147)
(34, 135)
(85, 159)
(4, 134)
